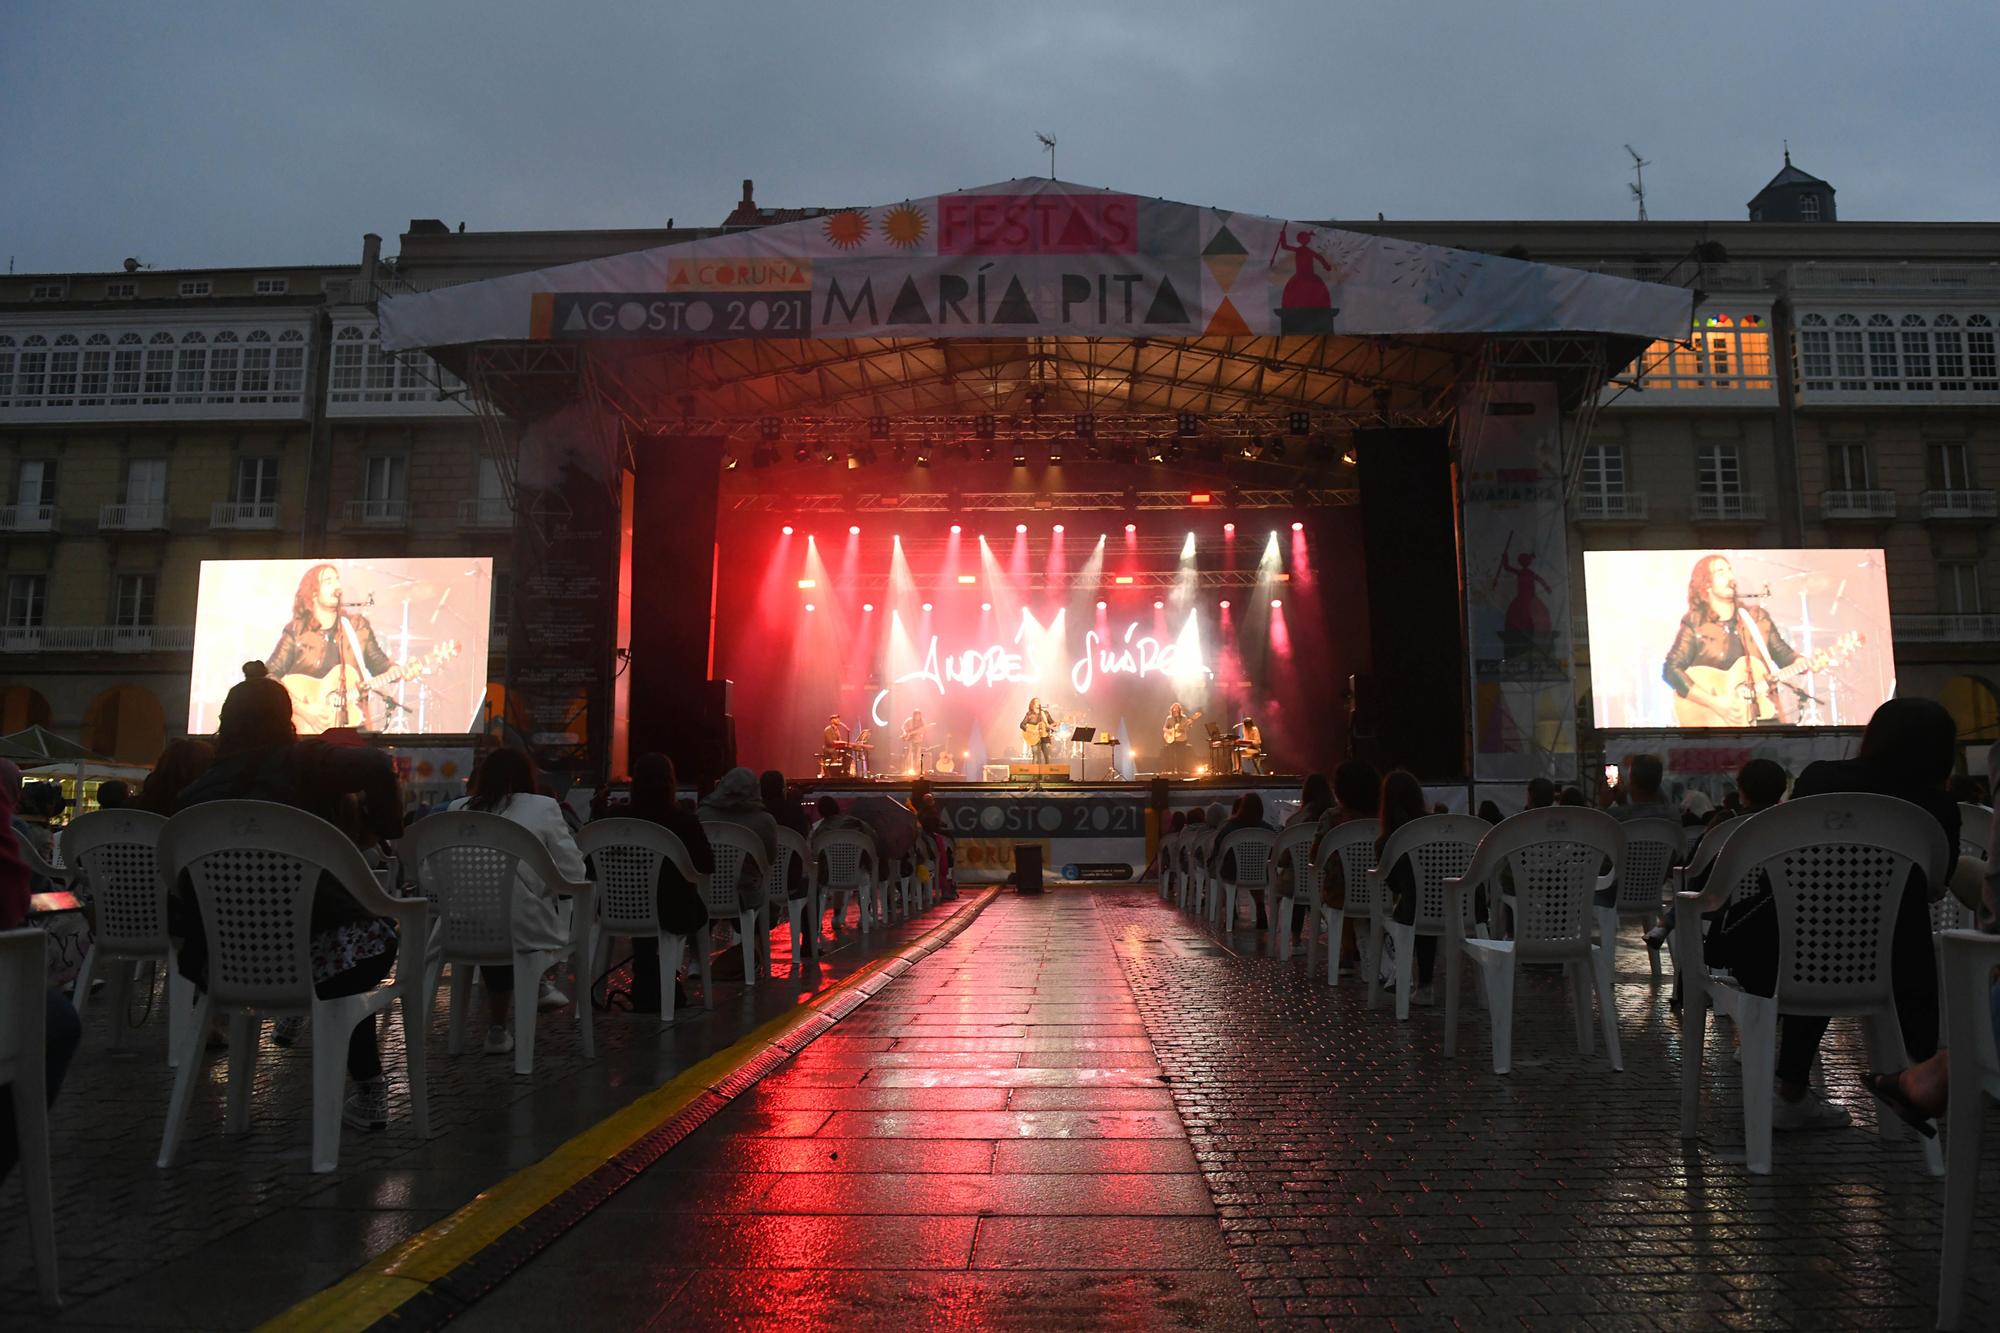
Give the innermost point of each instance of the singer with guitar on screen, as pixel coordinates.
(1728, 659)
(330, 661)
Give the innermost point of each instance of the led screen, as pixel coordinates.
(395, 645)
(1721, 638)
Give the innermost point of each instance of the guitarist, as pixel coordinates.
(1038, 727)
(1717, 632)
(320, 637)
(1175, 733)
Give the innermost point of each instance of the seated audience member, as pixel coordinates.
(508, 785)
(1760, 784)
(59, 1021)
(35, 806)
(654, 797)
(1248, 813)
(1357, 795)
(173, 773)
(1643, 797)
(1573, 796)
(113, 795)
(1402, 801)
(824, 809)
(787, 812)
(259, 758)
(737, 799)
(1541, 794)
(1907, 752)
(1489, 810)
(1315, 804)
(1696, 809)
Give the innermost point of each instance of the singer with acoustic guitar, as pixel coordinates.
(1038, 729)
(328, 658)
(1175, 733)
(1727, 658)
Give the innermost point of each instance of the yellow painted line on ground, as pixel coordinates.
(399, 1274)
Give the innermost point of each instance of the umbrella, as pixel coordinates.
(895, 824)
(38, 745)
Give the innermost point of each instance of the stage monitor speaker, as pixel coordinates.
(1416, 618)
(676, 489)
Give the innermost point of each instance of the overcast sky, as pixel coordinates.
(194, 133)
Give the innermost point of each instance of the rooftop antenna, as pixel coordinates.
(1049, 142)
(1638, 186)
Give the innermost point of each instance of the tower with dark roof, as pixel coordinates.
(1793, 196)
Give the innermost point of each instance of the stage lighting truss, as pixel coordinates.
(1142, 585)
(1048, 503)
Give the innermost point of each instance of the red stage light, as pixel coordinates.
(868, 606)
(1131, 527)
(1056, 529)
(808, 583)
(1100, 606)
(1276, 603)
(968, 578)
(1020, 527)
(788, 529)
(811, 607)
(1201, 498)
(927, 606)
(1122, 578)
(1298, 527)
(854, 531)
(1159, 606)
(955, 529)
(1229, 528)
(986, 606)
(1225, 603)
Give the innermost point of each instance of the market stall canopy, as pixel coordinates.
(38, 745)
(1035, 257)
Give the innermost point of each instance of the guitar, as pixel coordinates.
(1752, 688)
(1037, 732)
(947, 762)
(1173, 733)
(340, 697)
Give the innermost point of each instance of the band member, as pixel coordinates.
(1174, 731)
(835, 734)
(864, 747)
(320, 637)
(914, 728)
(1250, 753)
(1715, 636)
(1038, 727)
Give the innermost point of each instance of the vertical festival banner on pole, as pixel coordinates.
(566, 543)
(1517, 585)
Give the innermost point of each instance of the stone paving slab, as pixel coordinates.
(141, 1247)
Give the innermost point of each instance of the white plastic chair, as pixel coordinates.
(1837, 866)
(255, 868)
(54, 871)
(736, 888)
(1652, 846)
(1553, 857)
(848, 857)
(1201, 878)
(23, 1066)
(1254, 870)
(114, 863)
(1969, 960)
(1164, 851)
(1440, 847)
(1354, 843)
(470, 864)
(626, 856)
(1975, 830)
(792, 850)
(1295, 844)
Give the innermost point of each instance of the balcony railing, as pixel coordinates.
(97, 639)
(1836, 505)
(136, 516)
(1727, 507)
(379, 513)
(27, 518)
(1958, 504)
(1961, 627)
(252, 515)
(1610, 506)
(486, 511)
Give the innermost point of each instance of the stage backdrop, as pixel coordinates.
(415, 628)
(1823, 617)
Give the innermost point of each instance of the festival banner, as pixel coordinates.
(1034, 257)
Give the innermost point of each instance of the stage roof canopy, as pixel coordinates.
(1044, 295)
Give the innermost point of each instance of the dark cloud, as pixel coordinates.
(213, 134)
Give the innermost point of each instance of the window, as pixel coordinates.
(159, 383)
(256, 368)
(1958, 588)
(120, 291)
(1718, 470)
(126, 359)
(1809, 208)
(62, 371)
(1847, 467)
(1909, 352)
(1848, 361)
(1948, 467)
(222, 364)
(32, 372)
(288, 377)
(96, 376)
(349, 350)
(385, 481)
(137, 594)
(1916, 352)
(1882, 352)
(35, 483)
(191, 371)
(27, 600)
(1950, 345)
(196, 287)
(1815, 352)
(381, 377)
(1604, 470)
(1724, 351)
(146, 481)
(1980, 361)
(273, 286)
(256, 481)
(6, 370)
(48, 291)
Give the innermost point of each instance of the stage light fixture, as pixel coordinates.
(1100, 606)
(956, 529)
(1298, 526)
(1201, 497)
(1020, 457)
(1275, 449)
(771, 428)
(1247, 449)
(1229, 529)
(1020, 527)
(982, 426)
(1055, 455)
(1347, 457)
(831, 457)
(787, 529)
(878, 428)
(986, 453)
(868, 606)
(1224, 603)
(986, 606)
(1187, 425)
(800, 453)
(729, 462)
(1173, 452)
(854, 529)
(1276, 602)
(968, 578)
(1057, 529)
(1159, 605)
(865, 455)
(927, 606)
(811, 607)
(808, 583)
(1086, 425)
(1300, 423)
(1131, 527)
(924, 456)
(1124, 580)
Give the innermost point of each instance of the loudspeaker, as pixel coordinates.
(674, 708)
(1416, 615)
